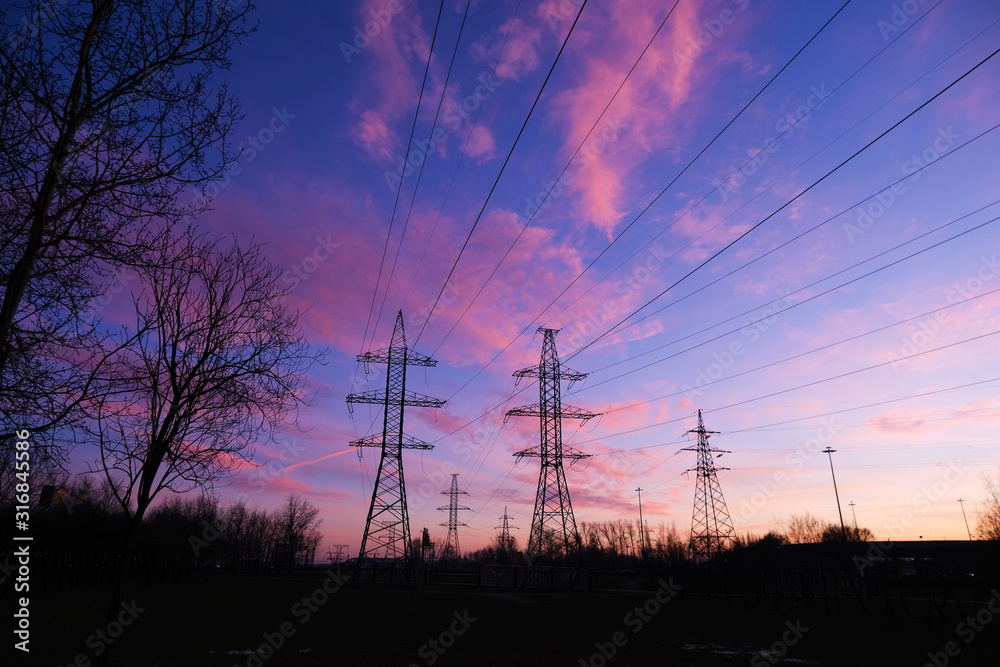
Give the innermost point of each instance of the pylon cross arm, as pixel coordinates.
(409, 442)
(421, 400)
(562, 374)
(411, 398)
(577, 413)
(384, 355)
(532, 451)
(535, 410)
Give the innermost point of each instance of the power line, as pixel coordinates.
(503, 403)
(461, 157)
(789, 202)
(423, 163)
(809, 231)
(654, 200)
(557, 180)
(500, 173)
(399, 187)
(799, 419)
(819, 295)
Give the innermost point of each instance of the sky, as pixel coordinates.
(780, 214)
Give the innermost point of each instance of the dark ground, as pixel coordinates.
(198, 622)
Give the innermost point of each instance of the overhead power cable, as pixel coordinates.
(399, 187)
(423, 163)
(808, 188)
(500, 173)
(647, 207)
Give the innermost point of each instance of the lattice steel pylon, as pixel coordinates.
(505, 542)
(451, 548)
(553, 520)
(387, 529)
(711, 526)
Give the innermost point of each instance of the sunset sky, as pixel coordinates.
(764, 213)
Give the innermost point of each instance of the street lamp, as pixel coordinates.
(961, 501)
(829, 452)
(642, 532)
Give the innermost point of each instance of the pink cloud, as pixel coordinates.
(373, 134)
(481, 144)
(643, 120)
(520, 55)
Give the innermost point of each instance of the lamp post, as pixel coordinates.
(642, 532)
(829, 452)
(961, 501)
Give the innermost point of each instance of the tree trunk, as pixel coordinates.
(120, 582)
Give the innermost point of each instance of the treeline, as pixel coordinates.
(623, 544)
(613, 545)
(79, 527)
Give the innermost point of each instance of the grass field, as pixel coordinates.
(200, 622)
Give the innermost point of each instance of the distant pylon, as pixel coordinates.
(711, 527)
(505, 542)
(451, 549)
(553, 520)
(336, 552)
(387, 529)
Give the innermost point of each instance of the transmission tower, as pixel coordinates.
(451, 549)
(387, 529)
(711, 527)
(505, 542)
(336, 553)
(553, 520)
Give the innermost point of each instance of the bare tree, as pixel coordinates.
(988, 527)
(801, 529)
(107, 116)
(214, 363)
(833, 532)
(297, 521)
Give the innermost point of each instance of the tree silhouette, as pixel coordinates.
(108, 116)
(989, 516)
(297, 521)
(214, 363)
